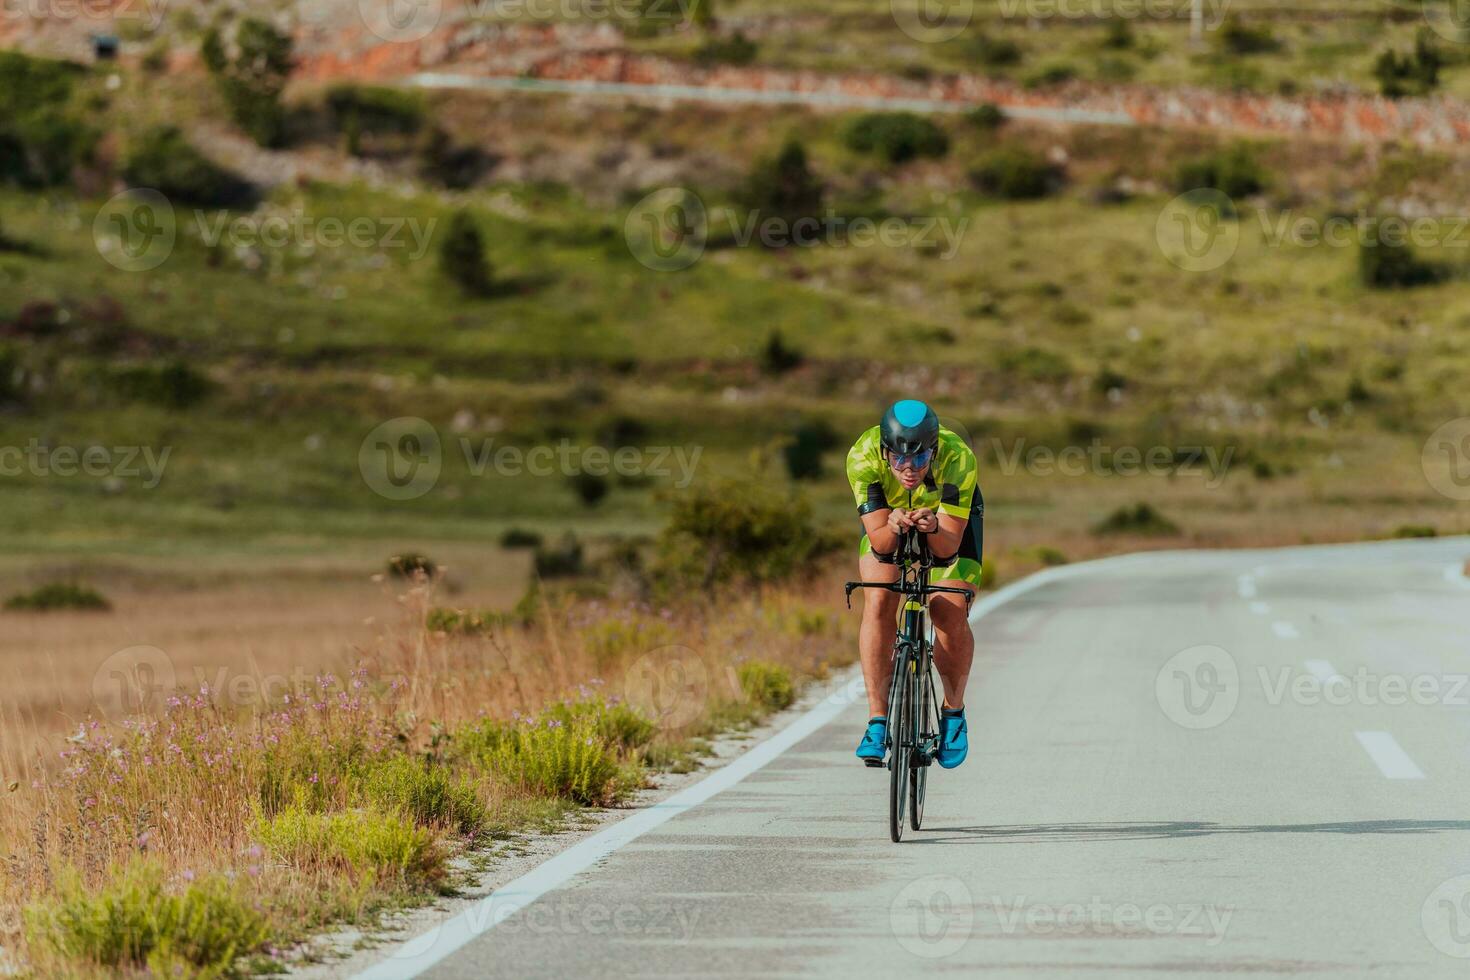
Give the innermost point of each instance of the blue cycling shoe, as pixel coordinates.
(954, 738)
(870, 749)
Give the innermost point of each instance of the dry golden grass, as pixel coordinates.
(179, 777)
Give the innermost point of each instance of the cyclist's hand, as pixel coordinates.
(924, 519)
(899, 521)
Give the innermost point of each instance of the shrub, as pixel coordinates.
(163, 160)
(1235, 37)
(777, 357)
(462, 256)
(1049, 556)
(1036, 364)
(1413, 73)
(374, 110)
(564, 560)
(1233, 171)
(803, 453)
(1141, 519)
(135, 919)
(590, 488)
(366, 844)
(736, 49)
(729, 530)
(250, 71)
(610, 639)
(42, 136)
(1415, 531)
(1388, 262)
(896, 136)
(174, 386)
(550, 757)
(59, 595)
(441, 160)
(1053, 74)
(995, 52)
(1119, 35)
(1015, 173)
(519, 538)
(986, 116)
(766, 684)
(412, 564)
(784, 186)
(616, 724)
(427, 794)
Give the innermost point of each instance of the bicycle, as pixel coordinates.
(913, 712)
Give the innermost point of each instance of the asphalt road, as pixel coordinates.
(1182, 765)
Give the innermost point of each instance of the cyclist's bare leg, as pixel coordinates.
(875, 636)
(954, 644)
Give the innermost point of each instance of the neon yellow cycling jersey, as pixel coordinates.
(948, 487)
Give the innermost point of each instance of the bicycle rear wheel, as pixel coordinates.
(900, 724)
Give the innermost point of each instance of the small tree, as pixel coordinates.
(1415, 73)
(251, 72)
(462, 256)
(784, 186)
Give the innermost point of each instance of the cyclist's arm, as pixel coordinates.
(945, 542)
(881, 535)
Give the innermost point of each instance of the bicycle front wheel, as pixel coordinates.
(900, 733)
(925, 725)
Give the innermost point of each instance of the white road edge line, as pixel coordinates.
(1388, 755)
(1284, 630)
(413, 957)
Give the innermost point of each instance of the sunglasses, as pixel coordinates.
(918, 460)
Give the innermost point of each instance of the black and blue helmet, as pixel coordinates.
(908, 427)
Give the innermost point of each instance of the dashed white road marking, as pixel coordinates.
(1261, 608)
(1322, 670)
(1246, 585)
(1389, 756)
(1284, 630)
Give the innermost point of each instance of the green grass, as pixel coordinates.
(364, 843)
(138, 919)
(59, 596)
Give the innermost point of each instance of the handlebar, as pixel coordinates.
(914, 556)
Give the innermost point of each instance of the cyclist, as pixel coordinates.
(908, 472)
